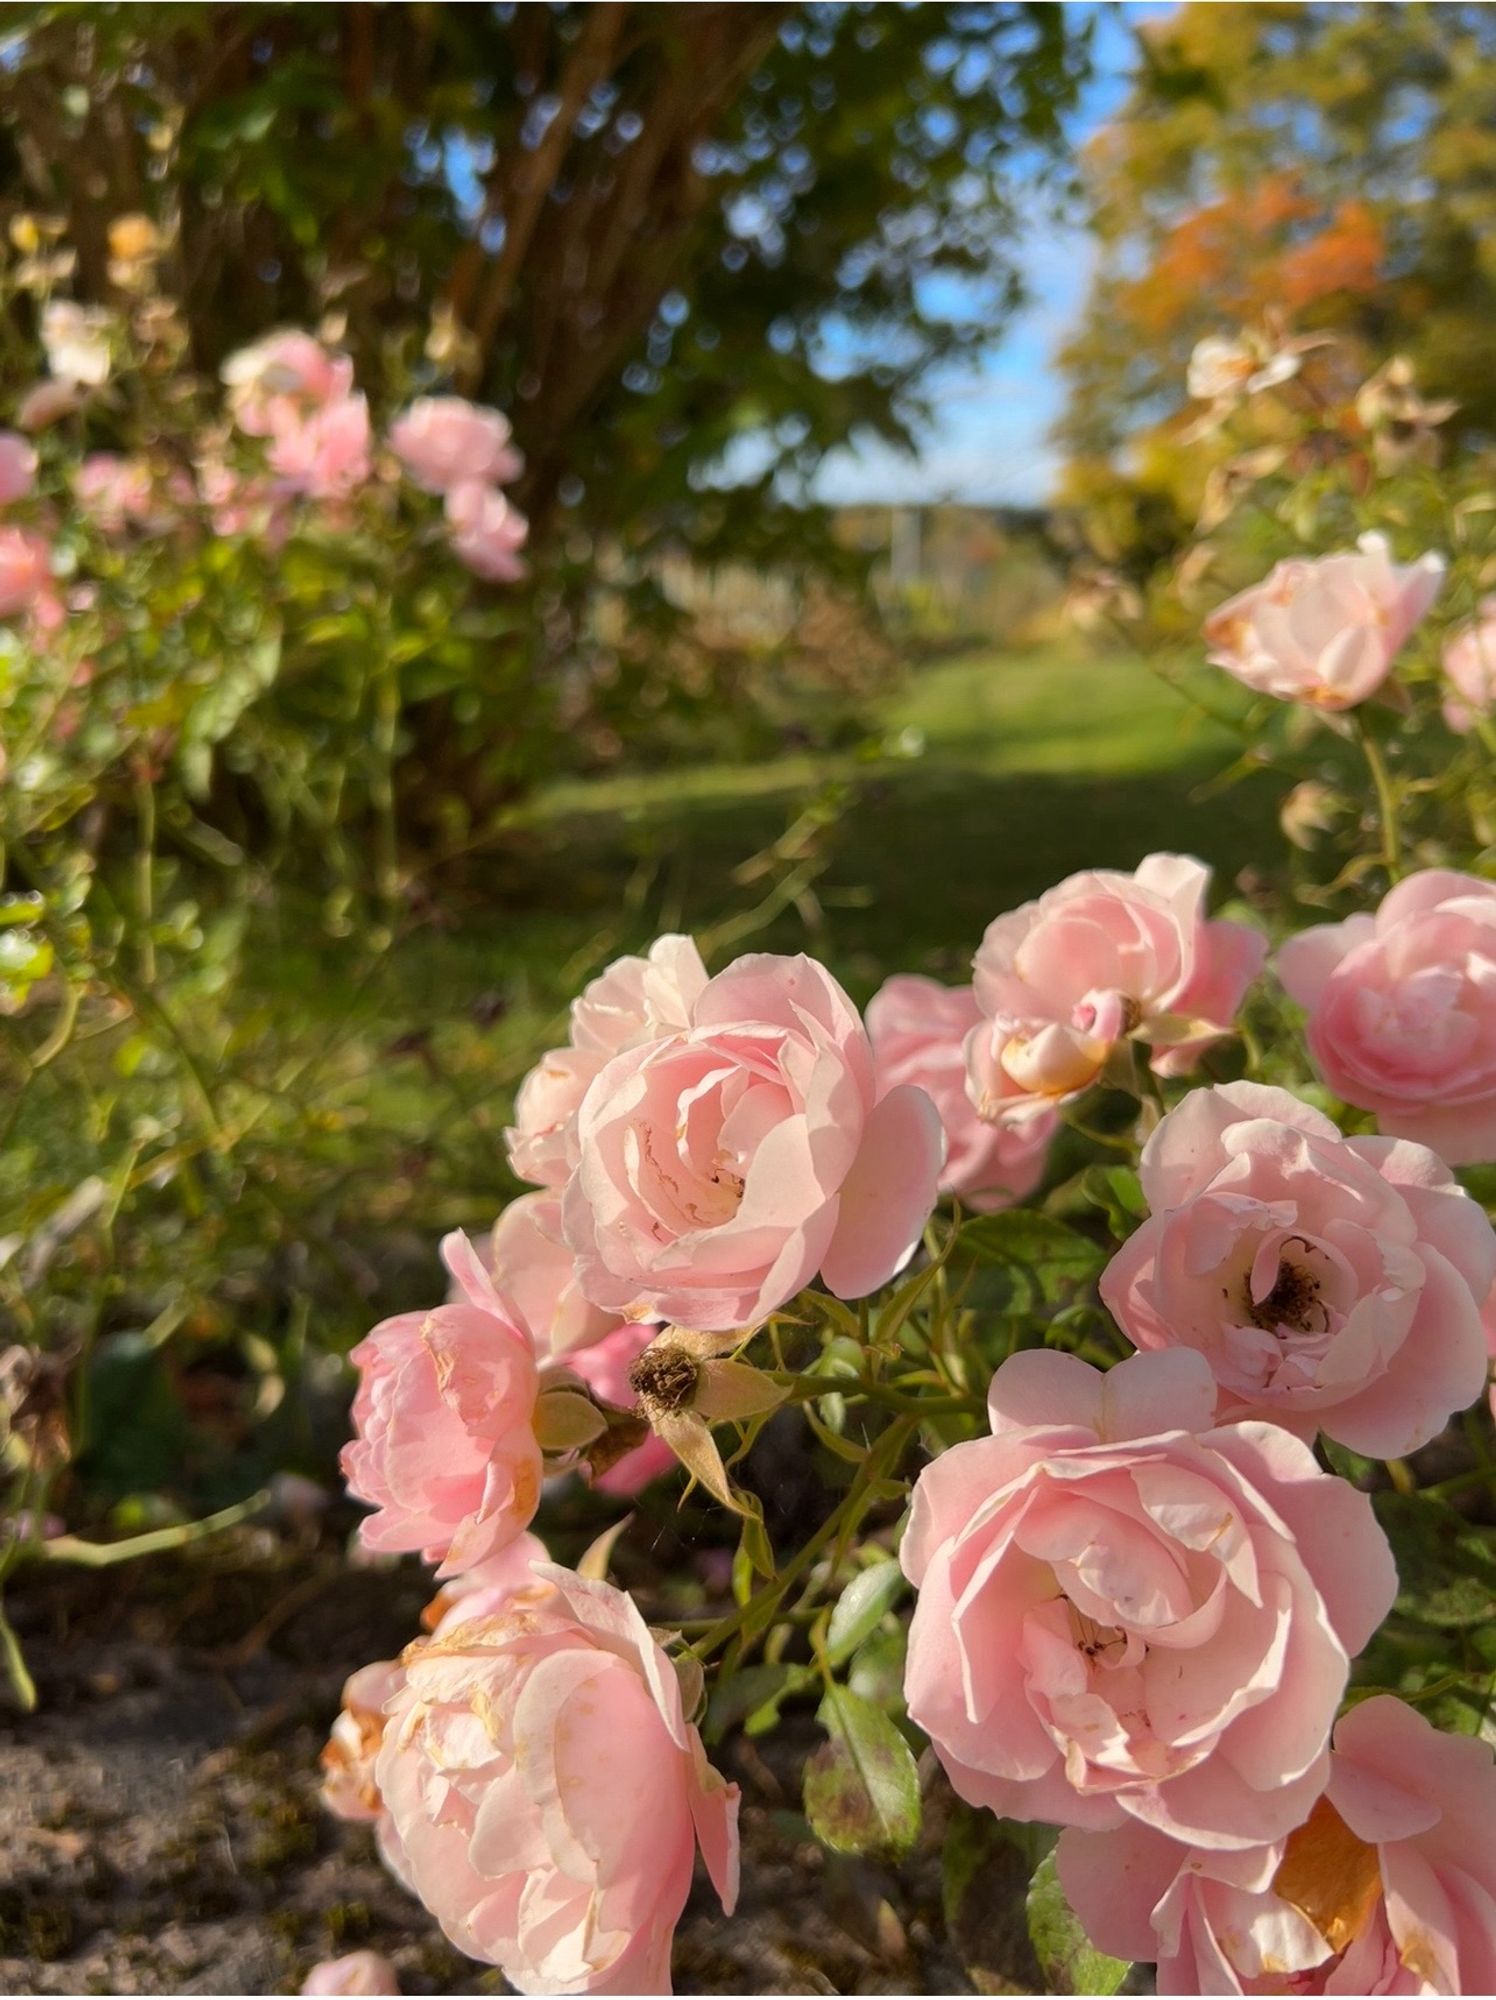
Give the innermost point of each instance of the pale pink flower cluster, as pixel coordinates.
(1324, 631)
(462, 451)
(290, 390)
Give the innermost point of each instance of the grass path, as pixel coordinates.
(1005, 772)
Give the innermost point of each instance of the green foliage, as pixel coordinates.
(1045, 1260)
(861, 1786)
(1070, 1963)
(861, 1608)
(1438, 1648)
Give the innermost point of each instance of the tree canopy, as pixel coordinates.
(1333, 164)
(648, 231)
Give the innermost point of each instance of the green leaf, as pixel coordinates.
(751, 1698)
(876, 1671)
(1046, 1258)
(861, 1607)
(1070, 1962)
(861, 1786)
(986, 1865)
(1446, 1566)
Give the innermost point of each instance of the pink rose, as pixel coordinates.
(487, 532)
(1324, 631)
(1099, 958)
(604, 1367)
(919, 1030)
(1402, 1010)
(17, 468)
(1389, 1885)
(355, 1972)
(1126, 1615)
(324, 453)
(26, 583)
(546, 1793)
(1470, 668)
(444, 1422)
(1332, 1284)
(114, 491)
(635, 1000)
(536, 1273)
(446, 441)
(286, 373)
(722, 1166)
(502, 1583)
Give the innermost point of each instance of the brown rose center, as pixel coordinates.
(1293, 1301)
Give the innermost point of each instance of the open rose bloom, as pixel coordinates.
(1402, 1010)
(1102, 957)
(546, 1794)
(1332, 1284)
(1388, 1886)
(444, 1421)
(722, 1166)
(919, 1031)
(1324, 631)
(1127, 1614)
(634, 1001)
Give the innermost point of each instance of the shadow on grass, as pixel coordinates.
(924, 856)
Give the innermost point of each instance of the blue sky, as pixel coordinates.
(988, 443)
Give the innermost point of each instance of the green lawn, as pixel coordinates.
(1006, 773)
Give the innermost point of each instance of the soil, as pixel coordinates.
(160, 1830)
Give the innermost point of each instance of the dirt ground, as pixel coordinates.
(160, 1830)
